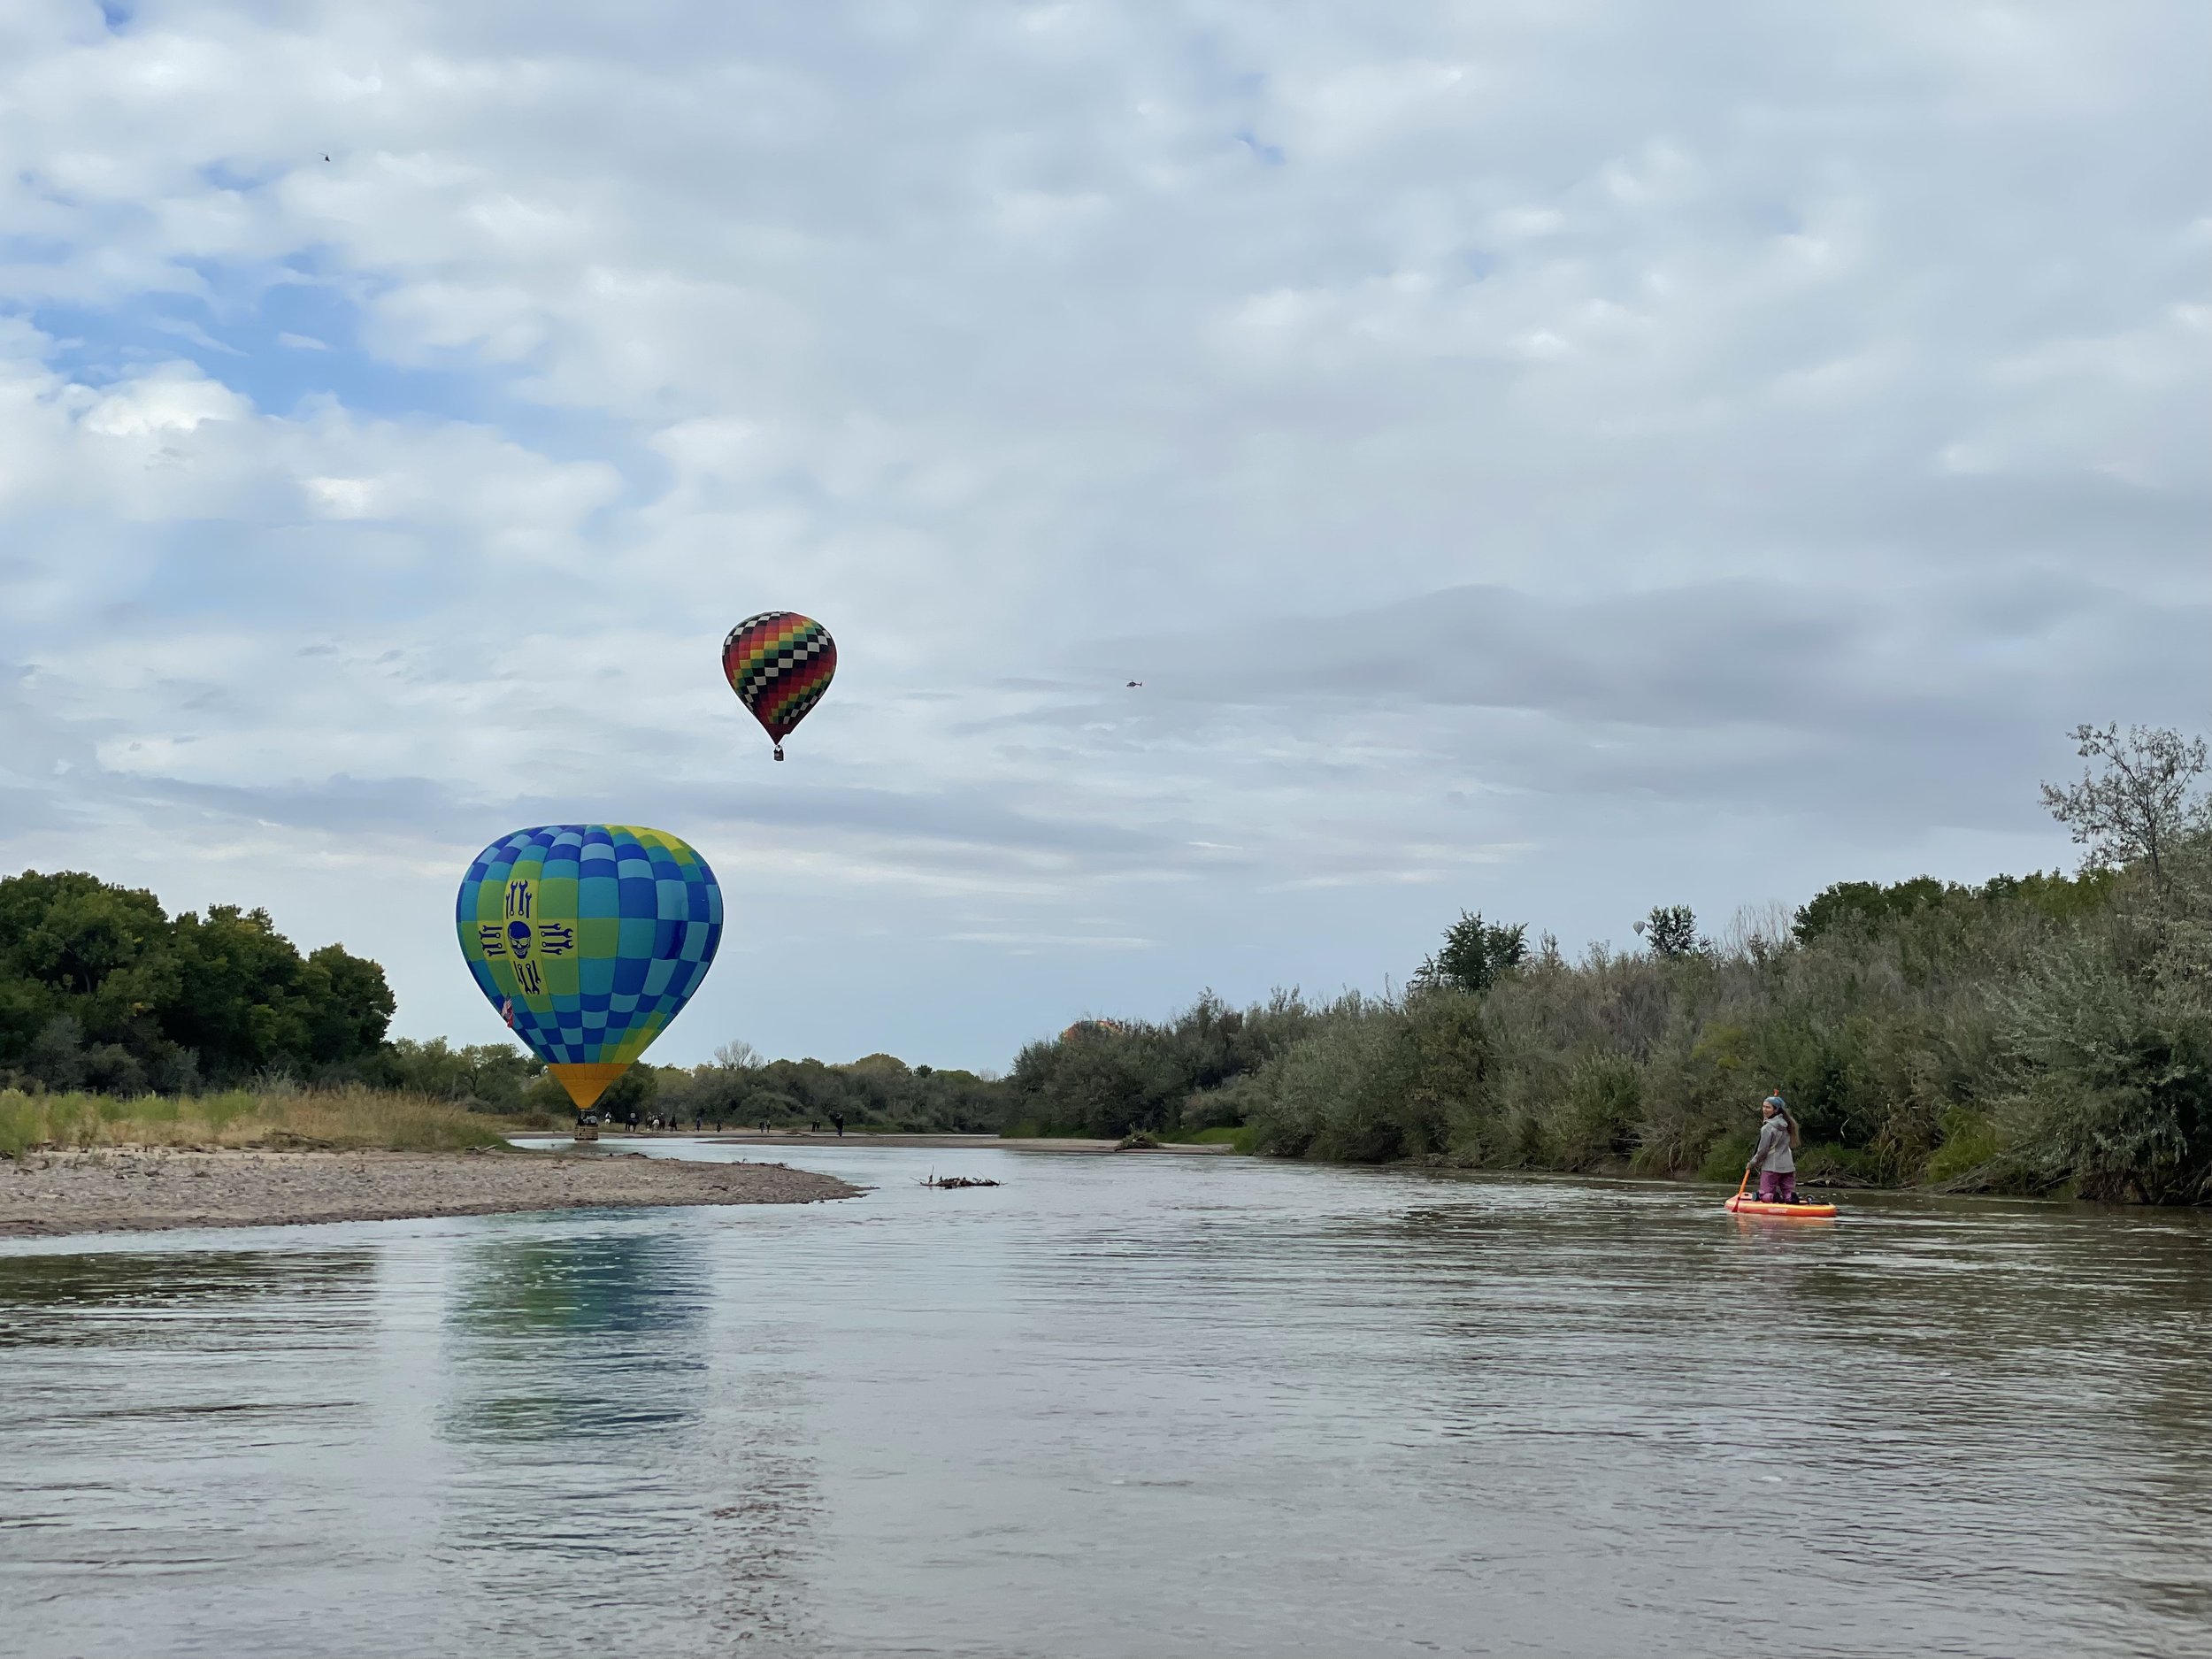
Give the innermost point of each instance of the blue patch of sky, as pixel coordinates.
(1218, 75)
(1478, 264)
(16, 248)
(236, 329)
(1221, 82)
(1269, 155)
(289, 335)
(115, 15)
(356, 573)
(223, 176)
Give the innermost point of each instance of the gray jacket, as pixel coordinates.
(1773, 1152)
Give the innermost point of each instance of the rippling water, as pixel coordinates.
(1117, 1406)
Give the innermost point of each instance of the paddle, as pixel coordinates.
(1741, 1185)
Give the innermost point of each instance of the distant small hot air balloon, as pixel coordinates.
(588, 938)
(780, 664)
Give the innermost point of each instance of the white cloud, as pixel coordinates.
(175, 399)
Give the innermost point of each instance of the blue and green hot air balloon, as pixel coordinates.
(589, 937)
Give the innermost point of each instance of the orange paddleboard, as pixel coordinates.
(1743, 1206)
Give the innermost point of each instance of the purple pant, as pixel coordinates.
(1777, 1186)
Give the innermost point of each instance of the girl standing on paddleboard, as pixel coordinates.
(1778, 1170)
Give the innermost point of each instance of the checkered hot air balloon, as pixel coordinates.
(589, 937)
(780, 664)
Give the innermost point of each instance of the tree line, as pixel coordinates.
(102, 990)
(742, 1089)
(2039, 1033)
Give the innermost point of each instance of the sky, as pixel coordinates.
(1548, 459)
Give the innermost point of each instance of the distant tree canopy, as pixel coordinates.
(877, 1090)
(1474, 953)
(1672, 931)
(1876, 908)
(101, 988)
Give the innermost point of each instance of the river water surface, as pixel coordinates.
(1119, 1405)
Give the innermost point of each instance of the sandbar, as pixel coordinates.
(126, 1190)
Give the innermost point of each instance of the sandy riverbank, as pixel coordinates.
(132, 1191)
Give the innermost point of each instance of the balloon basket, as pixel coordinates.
(587, 1131)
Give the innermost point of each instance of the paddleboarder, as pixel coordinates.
(1776, 1169)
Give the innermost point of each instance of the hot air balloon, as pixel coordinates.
(589, 937)
(780, 664)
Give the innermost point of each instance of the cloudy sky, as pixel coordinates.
(1549, 458)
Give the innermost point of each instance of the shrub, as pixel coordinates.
(1971, 1146)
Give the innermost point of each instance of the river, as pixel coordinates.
(1119, 1405)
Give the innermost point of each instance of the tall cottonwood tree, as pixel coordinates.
(2137, 801)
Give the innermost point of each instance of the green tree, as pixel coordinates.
(1670, 930)
(2137, 801)
(70, 943)
(149, 1001)
(1866, 904)
(1474, 954)
(346, 1006)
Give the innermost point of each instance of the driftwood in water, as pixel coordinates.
(936, 1179)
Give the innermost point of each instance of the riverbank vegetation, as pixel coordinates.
(2044, 1034)
(293, 1119)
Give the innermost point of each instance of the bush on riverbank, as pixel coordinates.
(2106, 1044)
(1101, 1079)
(348, 1119)
(488, 1076)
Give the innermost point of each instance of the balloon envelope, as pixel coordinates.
(589, 938)
(780, 664)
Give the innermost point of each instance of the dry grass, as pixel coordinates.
(350, 1118)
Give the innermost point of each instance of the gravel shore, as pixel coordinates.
(132, 1191)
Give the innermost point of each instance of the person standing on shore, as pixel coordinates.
(1776, 1169)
